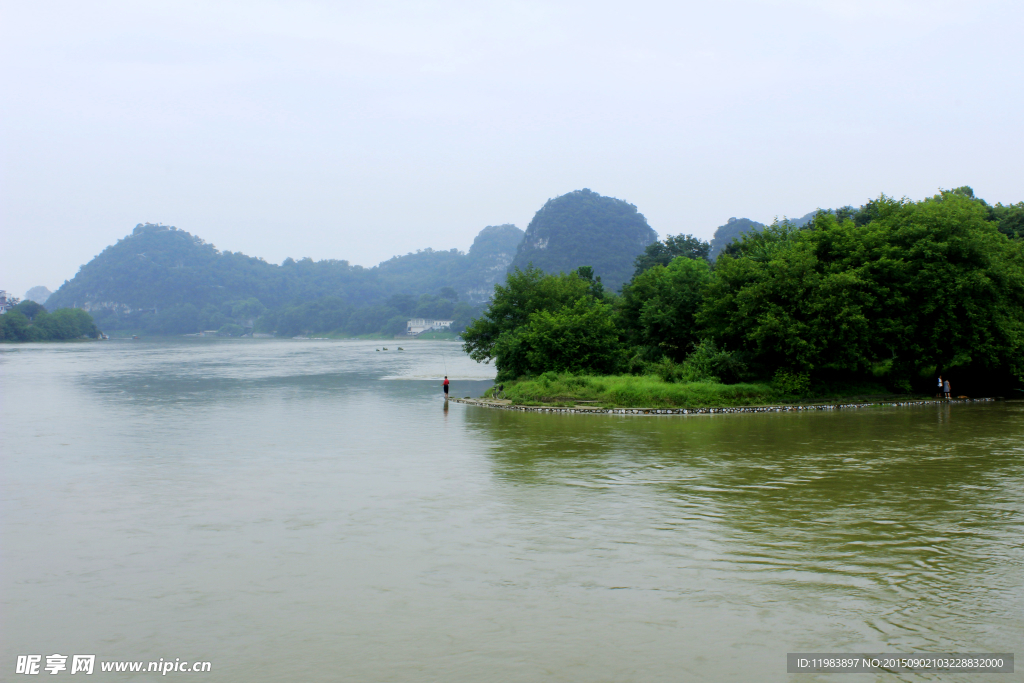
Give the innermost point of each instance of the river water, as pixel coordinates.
(309, 511)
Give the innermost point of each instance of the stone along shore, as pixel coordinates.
(507, 405)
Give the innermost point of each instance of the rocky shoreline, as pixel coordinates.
(507, 405)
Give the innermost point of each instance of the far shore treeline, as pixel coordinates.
(894, 293)
(163, 281)
(29, 322)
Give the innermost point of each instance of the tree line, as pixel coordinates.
(895, 291)
(161, 280)
(29, 322)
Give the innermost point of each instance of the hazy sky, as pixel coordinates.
(362, 130)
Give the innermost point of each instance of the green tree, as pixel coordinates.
(403, 303)
(920, 285)
(64, 323)
(525, 292)
(15, 326)
(658, 307)
(1010, 219)
(30, 309)
(247, 309)
(661, 253)
(580, 338)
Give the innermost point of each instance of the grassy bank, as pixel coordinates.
(646, 391)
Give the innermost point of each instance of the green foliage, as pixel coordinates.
(892, 292)
(732, 230)
(927, 283)
(585, 228)
(633, 391)
(709, 362)
(659, 305)
(30, 309)
(247, 309)
(1010, 219)
(728, 237)
(791, 383)
(578, 337)
(525, 292)
(661, 253)
(706, 363)
(28, 321)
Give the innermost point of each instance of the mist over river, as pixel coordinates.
(302, 510)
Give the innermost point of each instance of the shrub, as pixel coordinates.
(786, 382)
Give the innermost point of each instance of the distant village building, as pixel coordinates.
(7, 302)
(419, 325)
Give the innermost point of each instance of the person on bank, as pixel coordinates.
(948, 392)
(940, 387)
(446, 387)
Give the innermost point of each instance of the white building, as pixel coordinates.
(7, 302)
(419, 325)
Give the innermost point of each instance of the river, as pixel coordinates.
(302, 510)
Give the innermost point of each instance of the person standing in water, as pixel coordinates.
(949, 394)
(446, 387)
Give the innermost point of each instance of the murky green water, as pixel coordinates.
(308, 511)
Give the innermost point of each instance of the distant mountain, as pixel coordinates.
(732, 229)
(472, 275)
(38, 294)
(583, 228)
(489, 258)
(735, 227)
(160, 268)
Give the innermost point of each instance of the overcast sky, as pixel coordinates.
(360, 130)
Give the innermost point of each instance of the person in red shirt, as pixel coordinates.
(446, 387)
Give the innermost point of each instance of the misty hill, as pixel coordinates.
(734, 227)
(583, 228)
(472, 275)
(38, 294)
(161, 271)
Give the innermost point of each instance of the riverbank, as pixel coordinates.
(648, 393)
(504, 404)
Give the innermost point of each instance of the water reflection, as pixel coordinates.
(884, 519)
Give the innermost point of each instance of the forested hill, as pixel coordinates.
(159, 268)
(583, 228)
(472, 275)
(734, 227)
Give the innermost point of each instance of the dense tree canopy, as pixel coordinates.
(925, 284)
(525, 292)
(895, 290)
(658, 307)
(29, 321)
(662, 252)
